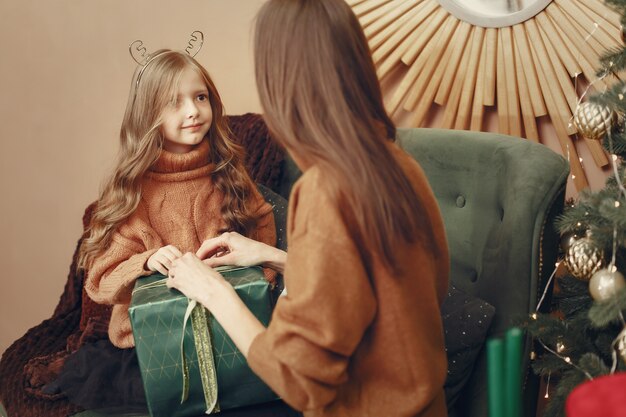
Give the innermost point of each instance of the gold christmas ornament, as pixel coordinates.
(605, 283)
(593, 120)
(583, 258)
(620, 344)
(567, 239)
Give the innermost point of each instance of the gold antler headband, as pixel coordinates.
(139, 52)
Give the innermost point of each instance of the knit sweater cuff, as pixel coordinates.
(259, 355)
(116, 287)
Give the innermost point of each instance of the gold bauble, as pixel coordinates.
(593, 120)
(605, 283)
(584, 258)
(567, 239)
(620, 344)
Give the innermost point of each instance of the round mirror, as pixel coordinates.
(494, 13)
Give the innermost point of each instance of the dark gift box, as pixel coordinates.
(202, 372)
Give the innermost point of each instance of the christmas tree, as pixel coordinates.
(587, 338)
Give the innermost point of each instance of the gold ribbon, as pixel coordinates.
(206, 361)
(204, 349)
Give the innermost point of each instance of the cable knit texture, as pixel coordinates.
(179, 206)
(34, 359)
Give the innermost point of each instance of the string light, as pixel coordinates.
(565, 359)
(545, 290)
(548, 386)
(614, 164)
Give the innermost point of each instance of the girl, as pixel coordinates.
(179, 180)
(359, 332)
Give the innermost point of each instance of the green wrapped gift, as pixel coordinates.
(203, 371)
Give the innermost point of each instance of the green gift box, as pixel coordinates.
(202, 372)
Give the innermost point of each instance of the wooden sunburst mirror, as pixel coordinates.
(526, 56)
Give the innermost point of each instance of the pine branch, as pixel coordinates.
(593, 364)
(619, 6)
(617, 143)
(568, 381)
(570, 286)
(603, 341)
(549, 364)
(574, 305)
(604, 313)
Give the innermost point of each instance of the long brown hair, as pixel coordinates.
(141, 142)
(322, 101)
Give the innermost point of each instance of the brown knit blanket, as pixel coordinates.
(37, 357)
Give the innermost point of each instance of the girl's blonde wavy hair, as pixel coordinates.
(141, 142)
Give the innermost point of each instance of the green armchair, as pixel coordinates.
(499, 196)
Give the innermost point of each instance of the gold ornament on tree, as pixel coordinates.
(567, 239)
(620, 344)
(605, 283)
(593, 120)
(584, 258)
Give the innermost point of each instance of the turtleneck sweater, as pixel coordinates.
(179, 206)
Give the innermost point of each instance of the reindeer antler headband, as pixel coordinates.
(140, 54)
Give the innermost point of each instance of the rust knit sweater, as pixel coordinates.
(179, 206)
(345, 342)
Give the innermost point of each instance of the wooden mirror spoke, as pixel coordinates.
(529, 70)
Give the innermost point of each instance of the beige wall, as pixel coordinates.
(64, 78)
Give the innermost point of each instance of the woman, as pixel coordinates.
(359, 331)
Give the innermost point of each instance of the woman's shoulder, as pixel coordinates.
(315, 186)
(313, 198)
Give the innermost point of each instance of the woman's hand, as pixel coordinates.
(231, 248)
(199, 282)
(162, 259)
(189, 275)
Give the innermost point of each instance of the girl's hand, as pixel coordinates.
(162, 259)
(231, 248)
(189, 275)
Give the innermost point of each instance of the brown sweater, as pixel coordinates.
(343, 342)
(179, 206)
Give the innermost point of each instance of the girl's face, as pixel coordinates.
(187, 120)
